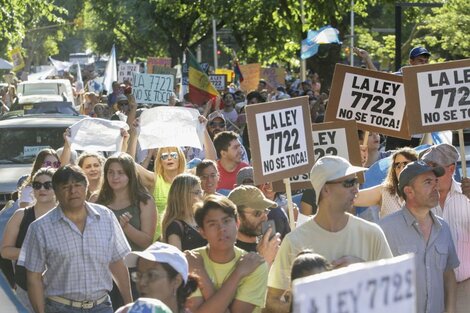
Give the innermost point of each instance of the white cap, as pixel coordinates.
(329, 168)
(162, 253)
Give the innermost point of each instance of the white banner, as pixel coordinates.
(282, 139)
(125, 71)
(385, 286)
(444, 96)
(170, 127)
(372, 101)
(96, 134)
(153, 88)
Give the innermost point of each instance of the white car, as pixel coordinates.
(46, 88)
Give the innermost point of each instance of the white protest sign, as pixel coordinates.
(280, 138)
(331, 138)
(170, 127)
(125, 71)
(219, 81)
(152, 88)
(439, 94)
(374, 99)
(385, 286)
(96, 134)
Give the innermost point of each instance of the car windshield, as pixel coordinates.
(21, 145)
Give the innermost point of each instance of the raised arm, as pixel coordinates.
(364, 55)
(369, 196)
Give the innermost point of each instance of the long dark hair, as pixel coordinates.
(40, 157)
(185, 289)
(136, 191)
(391, 181)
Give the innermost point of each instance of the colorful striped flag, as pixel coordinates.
(201, 89)
(324, 35)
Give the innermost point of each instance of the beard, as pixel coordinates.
(249, 229)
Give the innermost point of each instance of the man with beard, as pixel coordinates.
(416, 229)
(253, 208)
(335, 234)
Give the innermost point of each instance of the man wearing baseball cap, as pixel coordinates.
(416, 229)
(454, 208)
(334, 233)
(253, 208)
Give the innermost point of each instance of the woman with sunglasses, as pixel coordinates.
(162, 273)
(15, 230)
(179, 227)
(45, 158)
(133, 206)
(386, 195)
(169, 163)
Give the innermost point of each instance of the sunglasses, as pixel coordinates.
(165, 156)
(55, 164)
(348, 183)
(217, 124)
(400, 165)
(37, 185)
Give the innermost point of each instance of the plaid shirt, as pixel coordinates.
(76, 265)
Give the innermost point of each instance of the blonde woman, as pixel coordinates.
(386, 195)
(179, 227)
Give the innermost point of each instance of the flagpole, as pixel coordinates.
(303, 62)
(352, 34)
(214, 36)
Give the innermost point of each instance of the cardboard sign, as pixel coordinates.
(17, 59)
(374, 99)
(251, 76)
(162, 62)
(229, 73)
(153, 88)
(125, 71)
(438, 96)
(274, 77)
(332, 138)
(281, 142)
(170, 127)
(385, 286)
(219, 81)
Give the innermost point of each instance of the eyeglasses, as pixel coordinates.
(55, 164)
(348, 183)
(198, 193)
(212, 176)
(149, 276)
(400, 165)
(217, 124)
(258, 213)
(37, 185)
(165, 156)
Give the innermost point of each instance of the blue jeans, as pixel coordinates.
(54, 307)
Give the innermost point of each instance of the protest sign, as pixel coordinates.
(438, 96)
(376, 100)
(229, 73)
(274, 77)
(170, 127)
(8, 298)
(125, 71)
(385, 286)
(96, 134)
(153, 88)
(153, 61)
(17, 59)
(251, 76)
(331, 138)
(280, 136)
(219, 81)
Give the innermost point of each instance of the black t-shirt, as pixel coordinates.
(308, 196)
(247, 246)
(190, 237)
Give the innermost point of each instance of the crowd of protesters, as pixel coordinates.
(188, 227)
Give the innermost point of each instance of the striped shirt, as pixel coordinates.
(76, 264)
(456, 213)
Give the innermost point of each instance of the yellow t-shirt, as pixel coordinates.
(160, 194)
(251, 289)
(358, 238)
